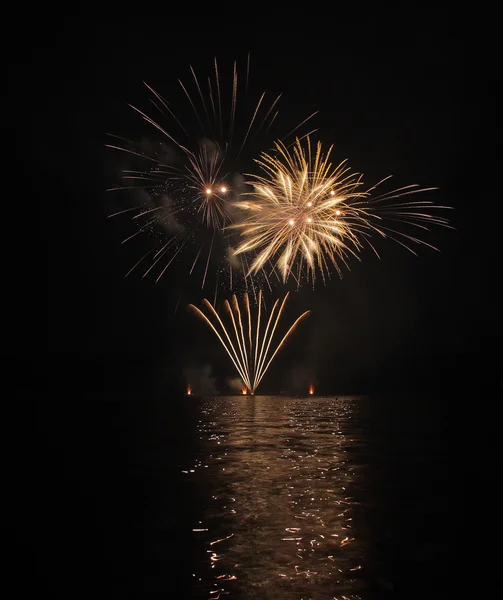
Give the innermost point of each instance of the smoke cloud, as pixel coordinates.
(201, 380)
(299, 378)
(234, 384)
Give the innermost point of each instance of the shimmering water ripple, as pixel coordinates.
(278, 476)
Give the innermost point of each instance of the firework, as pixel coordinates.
(248, 340)
(183, 185)
(305, 215)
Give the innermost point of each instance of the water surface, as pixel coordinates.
(311, 497)
(157, 496)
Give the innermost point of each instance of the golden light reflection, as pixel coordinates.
(280, 512)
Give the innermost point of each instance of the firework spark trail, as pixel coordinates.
(204, 166)
(251, 360)
(303, 212)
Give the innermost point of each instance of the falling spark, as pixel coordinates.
(250, 352)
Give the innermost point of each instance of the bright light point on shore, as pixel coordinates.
(208, 191)
(309, 219)
(332, 193)
(311, 390)
(291, 222)
(309, 203)
(189, 391)
(223, 189)
(337, 212)
(243, 391)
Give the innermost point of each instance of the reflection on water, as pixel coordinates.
(245, 498)
(279, 517)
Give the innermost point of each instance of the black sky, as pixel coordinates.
(395, 97)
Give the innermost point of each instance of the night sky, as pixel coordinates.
(397, 94)
(395, 98)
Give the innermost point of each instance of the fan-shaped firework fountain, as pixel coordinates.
(248, 341)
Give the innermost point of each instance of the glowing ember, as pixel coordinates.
(311, 389)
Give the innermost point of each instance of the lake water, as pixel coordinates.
(261, 497)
